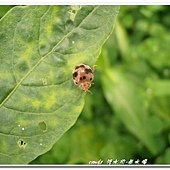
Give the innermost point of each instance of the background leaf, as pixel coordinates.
(129, 107)
(4, 9)
(40, 45)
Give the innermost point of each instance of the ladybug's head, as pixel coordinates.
(85, 86)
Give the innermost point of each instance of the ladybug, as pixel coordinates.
(83, 76)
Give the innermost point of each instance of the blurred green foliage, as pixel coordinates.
(128, 114)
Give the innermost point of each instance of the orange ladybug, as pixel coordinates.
(83, 76)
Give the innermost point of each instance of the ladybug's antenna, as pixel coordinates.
(94, 67)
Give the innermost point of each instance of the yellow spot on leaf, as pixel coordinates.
(36, 103)
(26, 56)
(50, 101)
(49, 29)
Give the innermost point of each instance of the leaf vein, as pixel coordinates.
(41, 113)
(40, 29)
(48, 85)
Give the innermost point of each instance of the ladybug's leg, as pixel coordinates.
(89, 91)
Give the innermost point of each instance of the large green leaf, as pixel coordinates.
(40, 45)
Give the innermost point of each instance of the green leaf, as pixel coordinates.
(160, 87)
(122, 39)
(40, 46)
(164, 158)
(155, 52)
(4, 9)
(127, 101)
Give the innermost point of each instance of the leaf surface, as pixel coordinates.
(40, 46)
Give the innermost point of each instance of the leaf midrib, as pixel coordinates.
(30, 71)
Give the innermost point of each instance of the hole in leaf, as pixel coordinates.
(74, 11)
(22, 143)
(42, 125)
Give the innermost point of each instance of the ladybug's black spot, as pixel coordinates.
(87, 71)
(75, 74)
(81, 78)
(76, 82)
(84, 77)
(90, 78)
(79, 66)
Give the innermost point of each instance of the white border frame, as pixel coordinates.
(84, 2)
